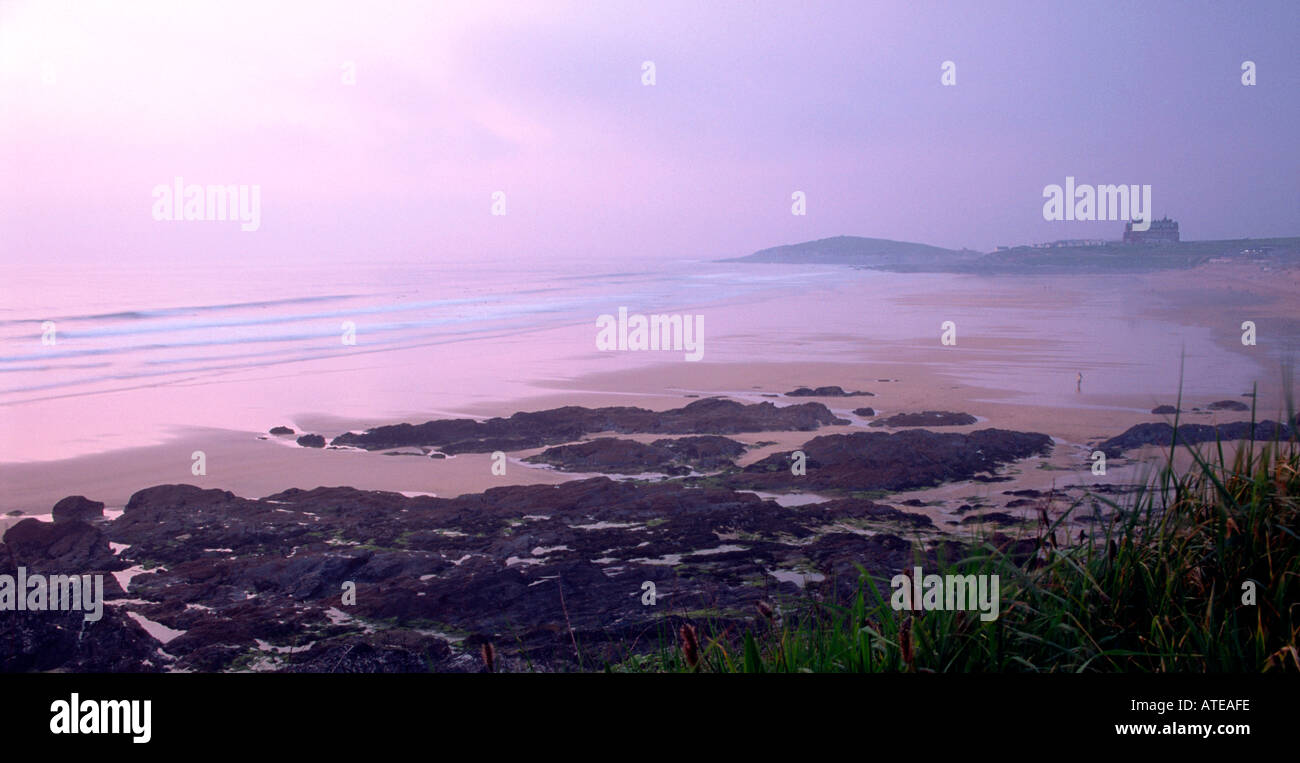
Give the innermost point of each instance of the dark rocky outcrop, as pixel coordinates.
(926, 419)
(864, 412)
(992, 517)
(311, 441)
(571, 423)
(1164, 409)
(68, 547)
(281, 430)
(256, 584)
(898, 461)
(704, 452)
(832, 391)
(65, 639)
(399, 651)
(1024, 493)
(1228, 405)
(1192, 434)
(668, 456)
(77, 507)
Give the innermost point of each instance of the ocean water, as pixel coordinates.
(137, 352)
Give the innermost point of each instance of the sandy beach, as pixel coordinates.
(997, 372)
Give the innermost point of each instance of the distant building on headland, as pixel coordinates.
(1162, 231)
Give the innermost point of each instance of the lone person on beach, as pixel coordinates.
(1078, 384)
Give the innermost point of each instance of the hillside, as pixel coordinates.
(902, 256)
(861, 252)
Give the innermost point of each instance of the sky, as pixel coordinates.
(544, 101)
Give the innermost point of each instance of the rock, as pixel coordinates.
(1192, 434)
(311, 441)
(859, 508)
(565, 425)
(669, 456)
(902, 460)
(1026, 493)
(1228, 405)
(996, 517)
(1164, 409)
(926, 419)
(70, 547)
(835, 552)
(703, 452)
(864, 412)
(617, 456)
(164, 497)
(389, 652)
(255, 584)
(65, 641)
(827, 392)
(77, 507)
(281, 430)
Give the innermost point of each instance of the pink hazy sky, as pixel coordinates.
(100, 102)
